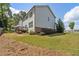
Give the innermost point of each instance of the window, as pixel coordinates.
(31, 24)
(26, 17)
(30, 14)
(48, 19)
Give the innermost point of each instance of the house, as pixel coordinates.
(40, 18)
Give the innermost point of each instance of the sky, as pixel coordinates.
(65, 11)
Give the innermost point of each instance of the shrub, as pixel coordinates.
(31, 33)
(71, 25)
(60, 26)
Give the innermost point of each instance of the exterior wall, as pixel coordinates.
(28, 20)
(20, 23)
(44, 18)
(38, 29)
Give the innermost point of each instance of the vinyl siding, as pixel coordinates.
(42, 15)
(27, 21)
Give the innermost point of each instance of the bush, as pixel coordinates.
(32, 33)
(60, 26)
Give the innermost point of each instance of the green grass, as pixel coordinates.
(64, 42)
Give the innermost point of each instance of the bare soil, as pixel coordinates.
(10, 47)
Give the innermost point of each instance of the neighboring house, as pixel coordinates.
(75, 30)
(40, 18)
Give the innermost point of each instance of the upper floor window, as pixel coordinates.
(31, 24)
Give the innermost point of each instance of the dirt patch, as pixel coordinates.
(10, 47)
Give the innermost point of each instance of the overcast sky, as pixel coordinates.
(66, 11)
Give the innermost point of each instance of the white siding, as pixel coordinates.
(27, 21)
(41, 20)
(20, 23)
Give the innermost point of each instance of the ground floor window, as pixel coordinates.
(31, 24)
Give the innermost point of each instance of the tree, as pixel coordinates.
(16, 18)
(60, 26)
(22, 16)
(11, 23)
(71, 25)
(4, 14)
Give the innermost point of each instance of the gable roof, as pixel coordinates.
(35, 6)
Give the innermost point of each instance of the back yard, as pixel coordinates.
(58, 44)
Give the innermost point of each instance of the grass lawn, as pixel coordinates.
(68, 42)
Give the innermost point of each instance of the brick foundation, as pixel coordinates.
(45, 30)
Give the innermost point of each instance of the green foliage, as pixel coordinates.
(11, 24)
(18, 17)
(60, 26)
(71, 25)
(5, 13)
(22, 15)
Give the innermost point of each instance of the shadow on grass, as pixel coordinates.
(56, 34)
